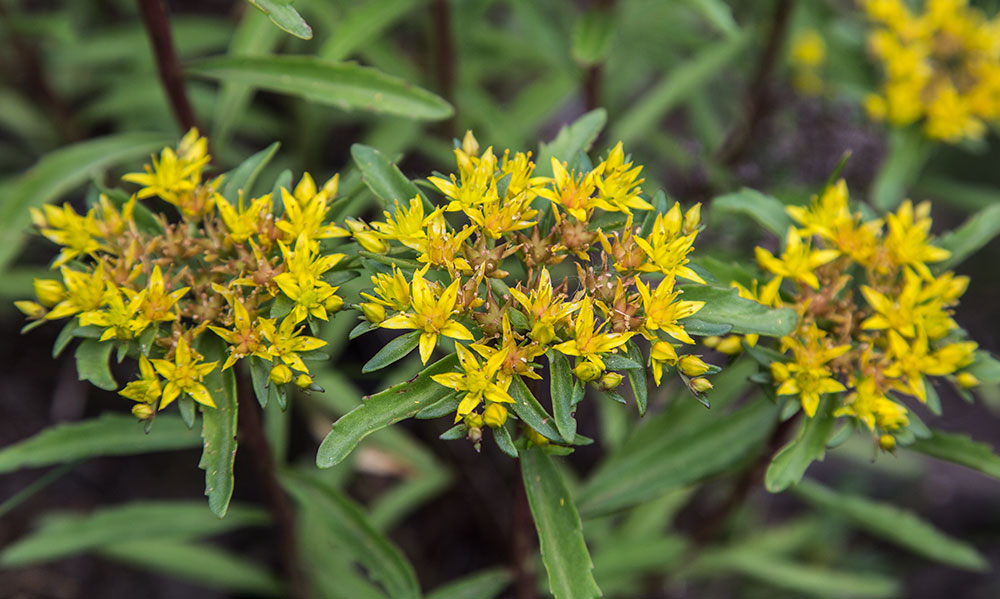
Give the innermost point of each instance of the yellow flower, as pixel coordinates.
(157, 304)
(244, 223)
(476, 184)
(77, 234)
(285, 343)
(478, 381)
(431, 316)
(809, 48)
(519, 358)
(662, 310)
(588, 343)
(910, 361)
(301, 281)
(306, 209)
(392, 291)
(660, 353)
(118, 319)
(147, 389)
(544, 312)
(872, 407)
(667, 246)
(900, 313)
(441, 247)
(246, 337)
(807, 375)
(769, 295)
(405, 225)
(798, 262)
(907, 238)
(174, 174)
(618, 183)
(184, 375)
(573, 192)
(84, 292)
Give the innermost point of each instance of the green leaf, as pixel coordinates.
(560, 533)
(768, 211)
(63, 534)
(571, 140)
(802, 579)
(809, 444)
(285, 17)
(986, 368)
(894, 525)
(362, 23)
(637, 378)
(675, 457)
(531, 412)
(485, 584)
(108, 435)
(384, 178)
(980, 229)
(718, 13)
(682, 81)
(242, 177)
(92, 363)
(593, 34)
(204, 565)
(347, 86)
(347, 523)
(218, 431)
(504, 441)
(392, 352)
(620, 362)
(960, 449)
(908, 151)
(60, 172)
(382, 409)
(723, 305)
(561, 383)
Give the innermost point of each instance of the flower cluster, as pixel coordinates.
(248, 271)
(874, 319)
(942, 66)
(484, 270)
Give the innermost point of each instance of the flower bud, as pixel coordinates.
(32, 310)
(334, 303)
(303, 381)
(495, 415)
(143, 411)
(711, 342)
(371, 242)
(542, 332)
(281, 374)
(700, 384)
(887, 442)
(49, 292)
(473, 420)
(967, 380)
(730, 345)
(663, 351)
(535, 437)
(611, 380)
(692, 365)
(374, 313)
(587, 371)
(692, 219)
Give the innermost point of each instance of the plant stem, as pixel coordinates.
(444, 55)
(154, 15)
(278, 502)
(758, 96)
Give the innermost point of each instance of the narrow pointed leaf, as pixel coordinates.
(392, 352)
(561, 388)
(768, 211)
(347, 86)
(285, 17)
(486, 584)
(243, 176)
(980, 229)
(382, 409)
(790, 464)
(637, 378)
(571, 140)
(108, 435)
(92, 363)
(531, 412)
(960, 449)
(560, 533)
(384, 178)
(218, 432)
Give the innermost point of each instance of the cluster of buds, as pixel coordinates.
(513, 266)
(874, 318)
(164, 290)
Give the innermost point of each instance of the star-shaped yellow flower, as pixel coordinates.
(431, 316)
(184, 375)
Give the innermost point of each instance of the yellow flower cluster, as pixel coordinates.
(942, 66)
(484, 267)
(242, 271)
(874, 319)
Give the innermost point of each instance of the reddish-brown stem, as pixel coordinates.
(278, 502)
(154, 15)
(444, 56)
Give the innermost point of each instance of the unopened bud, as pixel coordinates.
(303, 381)
(692, 365)
(334, 303)
(49, 291)
(711, 342)
(535, 437)
(587, 371)
(663, 351)
(543, 333)
(143, 411)
(692, 219)
(374, 313)
(731, 345)
(887, 442)
(610, 381)
(281, 374)
(32, 310)
(371, 242)
(495, 415)
(700, 384)
(967, 380)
